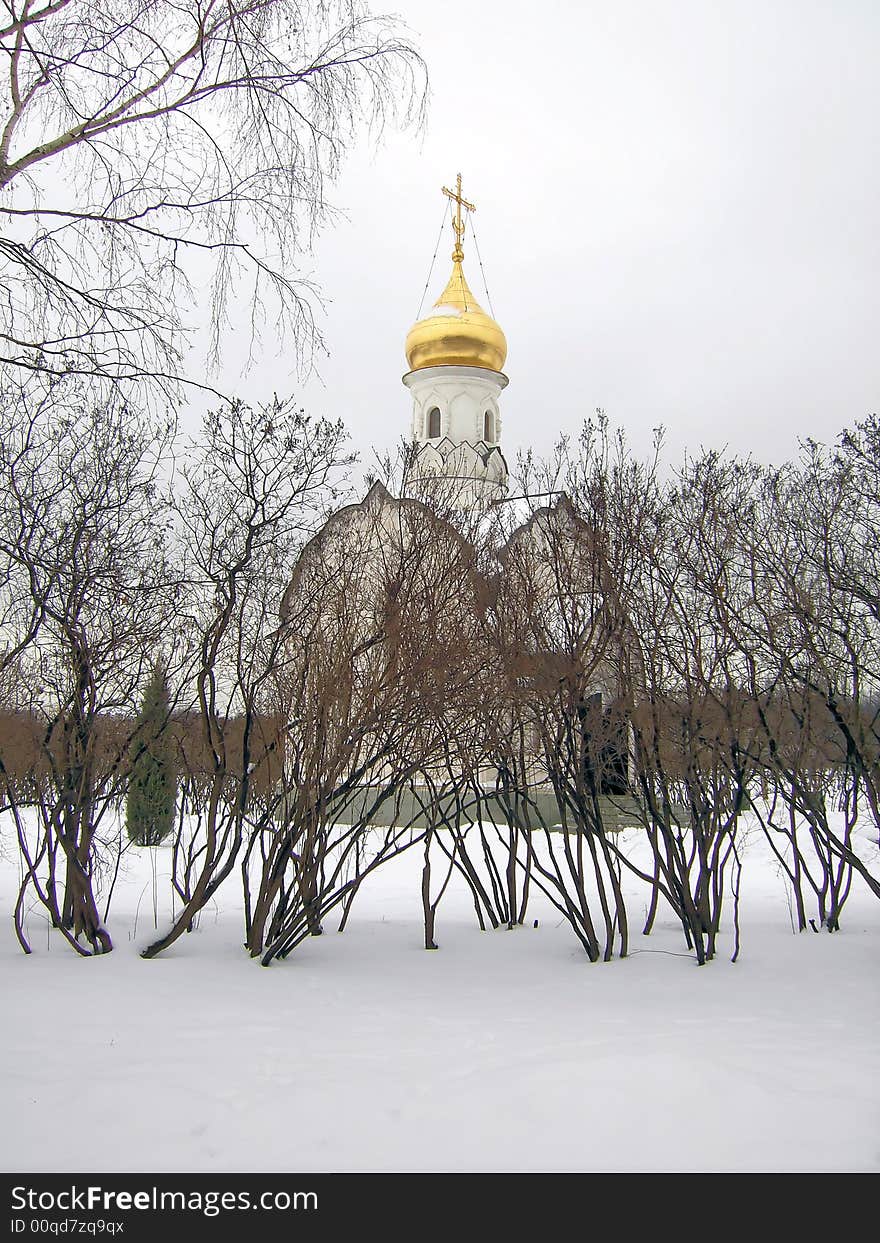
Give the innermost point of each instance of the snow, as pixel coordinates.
(501, 1051)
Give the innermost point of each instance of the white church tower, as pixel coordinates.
(455, 357)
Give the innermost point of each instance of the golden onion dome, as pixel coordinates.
(458, 332)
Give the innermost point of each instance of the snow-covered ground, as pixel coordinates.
(501, 1051)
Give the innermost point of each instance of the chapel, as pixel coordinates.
(405, 564)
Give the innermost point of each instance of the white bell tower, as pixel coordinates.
(455, 355)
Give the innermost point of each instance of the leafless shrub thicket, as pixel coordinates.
(249, 491)
(87, 599)
(120, 549)
(500, 689)
(378, 625)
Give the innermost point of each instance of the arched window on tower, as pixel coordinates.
(488, 428)
(433, 423)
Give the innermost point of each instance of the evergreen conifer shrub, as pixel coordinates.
(152, 789)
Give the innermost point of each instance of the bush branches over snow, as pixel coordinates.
(251, 489)
(609, 645)
(87, 600)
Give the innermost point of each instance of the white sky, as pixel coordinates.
(677, 212)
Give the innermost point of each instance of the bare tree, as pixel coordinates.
(83, 535)
(762, 654)
(810, 634)
(567, 645)
(378, 620)
(843, 511)
(149, 143)
(694, 742)
(252, 488)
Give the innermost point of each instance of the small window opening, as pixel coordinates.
(433, 423)
(488, 427)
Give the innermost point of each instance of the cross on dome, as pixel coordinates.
(457, 223)
(457, 332)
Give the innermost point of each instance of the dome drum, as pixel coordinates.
(458, 402)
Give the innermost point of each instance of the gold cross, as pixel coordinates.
(458, 226)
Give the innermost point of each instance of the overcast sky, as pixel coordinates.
(678, 208)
